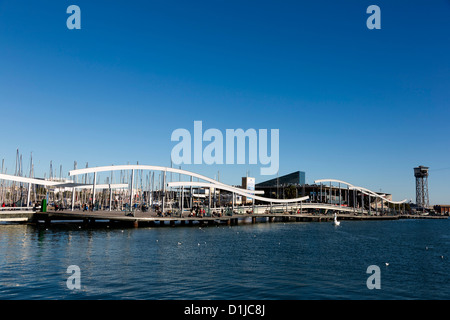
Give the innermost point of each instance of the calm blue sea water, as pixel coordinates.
(261, 261)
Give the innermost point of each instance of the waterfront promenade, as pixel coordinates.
(189, 202)
(152, 218)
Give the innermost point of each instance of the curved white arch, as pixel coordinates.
(104, 186)
(235, 190)
(61, 184)
(374, 194)
(363, 190)
(154, 168)
(333, 180)
(244, 192)
(41, 182)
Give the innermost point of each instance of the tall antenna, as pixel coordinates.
(31, 166)
(20, 166)
(85, 175)
(50, 175)
(422, 199)
(16, 172)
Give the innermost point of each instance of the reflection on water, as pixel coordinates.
(261, 261)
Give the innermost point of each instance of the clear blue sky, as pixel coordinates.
(365, 106)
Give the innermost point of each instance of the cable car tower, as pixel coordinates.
(422, 199)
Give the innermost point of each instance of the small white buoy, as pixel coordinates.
(387, 264)
(442, 257)
(179, 243)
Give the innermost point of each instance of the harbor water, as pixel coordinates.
(274, 261)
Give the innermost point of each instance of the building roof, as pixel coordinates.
(291, 178)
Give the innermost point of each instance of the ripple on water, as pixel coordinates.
(262, 261)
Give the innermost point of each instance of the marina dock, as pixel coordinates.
(151, 218)
(124, 201)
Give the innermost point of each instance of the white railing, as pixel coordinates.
(16, 208)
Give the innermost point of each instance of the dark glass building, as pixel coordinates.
(294, 178)
(291, 185)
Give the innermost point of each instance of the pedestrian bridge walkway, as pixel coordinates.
(307, 213)
(133, 195)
